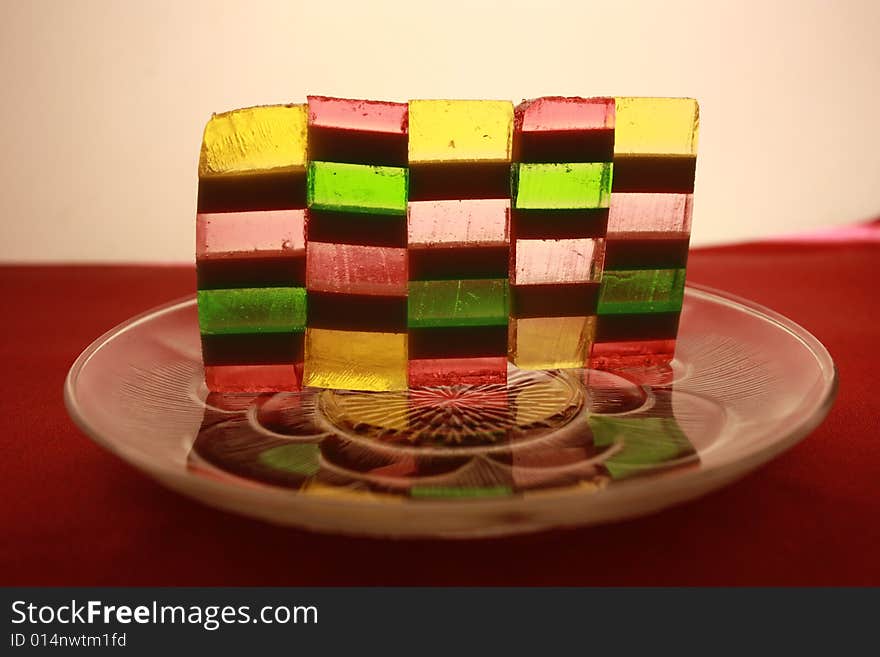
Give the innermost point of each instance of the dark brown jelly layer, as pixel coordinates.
(566, 300)
(251, 271)
(357, 312)
(264, 191)
(458, 262)
(564, 146)
(253, 348)
(459, 180)
(646, 253)
(636, 326)
(354, 228)
(457, 342)
(358, 146)
(558, 224)
(668, 175)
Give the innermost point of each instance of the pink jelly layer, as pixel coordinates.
(360, 115)
(458, 371)
(647, 212)
(355, 269)
(474, 222)
(555, 113)
(538, 262)
(253, 378)
(247, 232)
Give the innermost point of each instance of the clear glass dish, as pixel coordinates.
(550, 449)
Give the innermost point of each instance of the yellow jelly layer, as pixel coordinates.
(355, 360)
(319, 489)
(656, 126)
(548, 343)
(460, 131)
(254, 139)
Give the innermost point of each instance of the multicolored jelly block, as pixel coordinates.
(355, 360)
(358, 131)
(460, 149)
(417, 215)
(368, 189)
(254, 159)
(559, 129)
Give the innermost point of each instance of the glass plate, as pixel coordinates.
(549, 449)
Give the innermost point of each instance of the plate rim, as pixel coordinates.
(757, 456)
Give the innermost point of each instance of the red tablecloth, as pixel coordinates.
(73, 514)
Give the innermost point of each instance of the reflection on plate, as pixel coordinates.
(547, 449)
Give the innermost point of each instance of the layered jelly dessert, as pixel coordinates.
(366, 245)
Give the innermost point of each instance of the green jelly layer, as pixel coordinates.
(298, 459)
(362, 188)
(646, 443)
(464, 491)
(252, 310)
(641, 291)
(448, 303)
(567, 186)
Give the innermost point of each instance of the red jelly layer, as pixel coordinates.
(356, 269)
(646, 251)
(253, 348)
(633, 353)
(457, 342)
(636, 326)
(558, 224)
(354, 312)
(264, 191)
(354, 228)
(264, 269)
(358, 147)
(551, 300)
(458, 371)
(444, 262)
(252, 378)
(559, 129)
(459, 180)
(564, 146)
(377, 116)
(358, 131)
(654, 174)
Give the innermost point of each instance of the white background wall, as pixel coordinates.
(104, 101)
